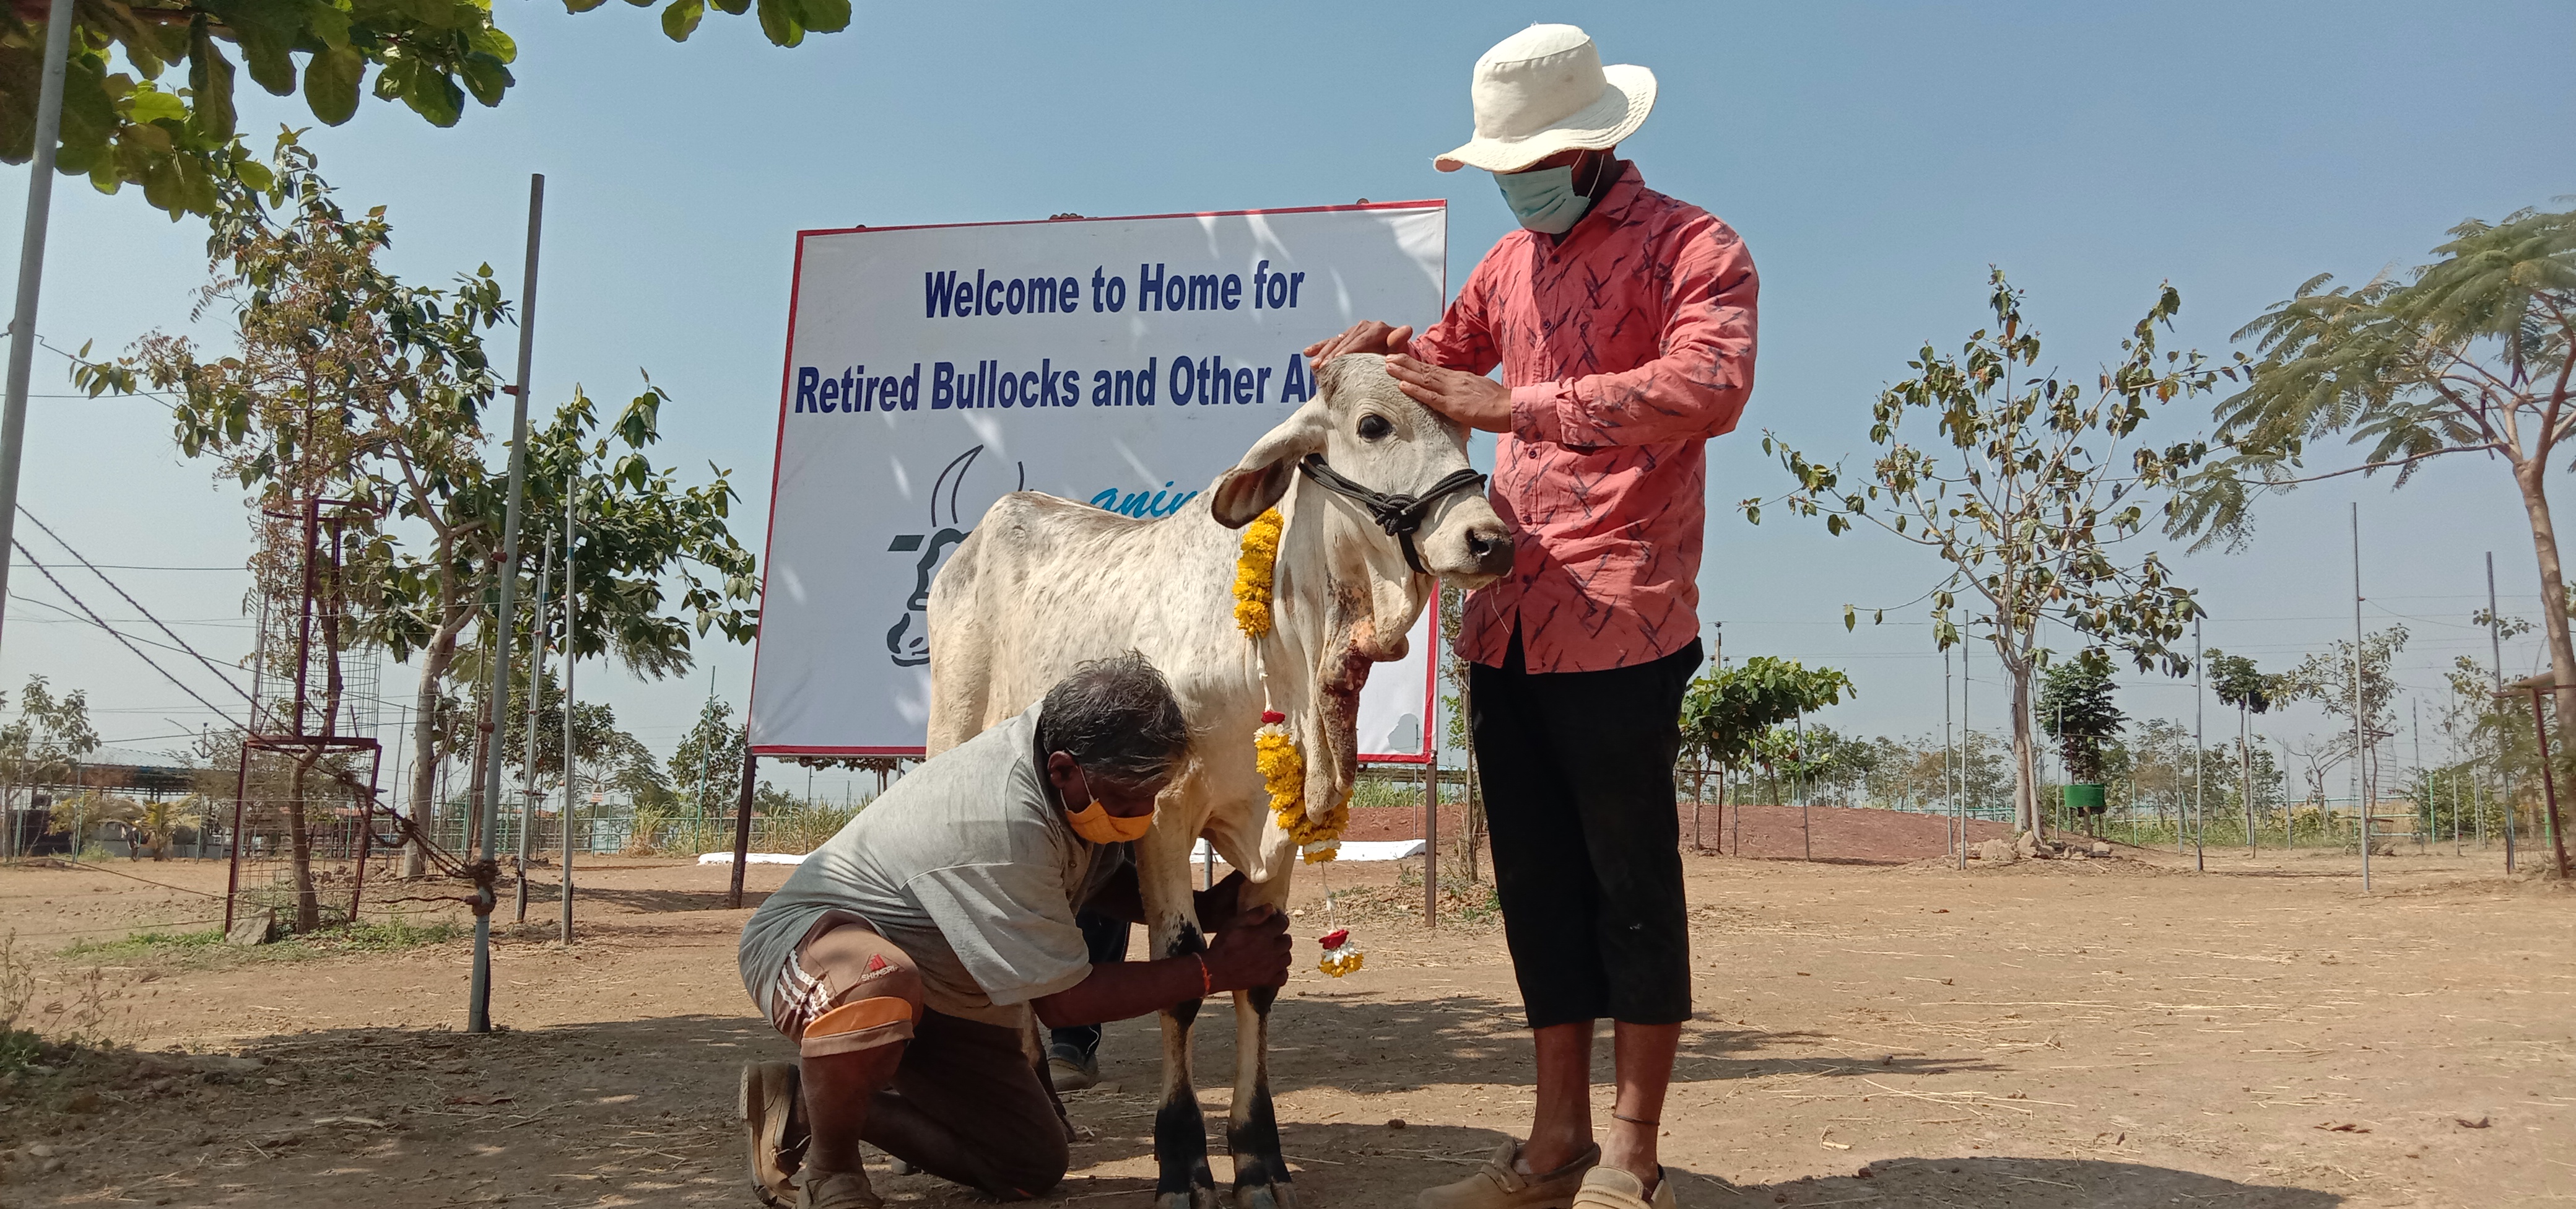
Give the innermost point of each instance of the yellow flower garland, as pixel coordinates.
(1252, 574)
(1283, 767)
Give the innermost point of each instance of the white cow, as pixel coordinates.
(1046, 583)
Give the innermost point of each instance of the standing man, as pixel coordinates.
(1623, 322)
(905, 956)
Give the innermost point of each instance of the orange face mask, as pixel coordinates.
(1096, 824)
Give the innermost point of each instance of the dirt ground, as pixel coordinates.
(1821, 832)
(2064, 1033)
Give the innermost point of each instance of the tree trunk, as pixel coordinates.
(2025, 780)
(2245, 755)
(2553, 613)
(1699, 792)
(435, 660)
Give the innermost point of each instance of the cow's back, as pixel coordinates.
(1042, 584)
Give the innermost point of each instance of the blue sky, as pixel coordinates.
(1876, 157)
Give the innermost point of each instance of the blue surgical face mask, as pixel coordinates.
(1544, 200)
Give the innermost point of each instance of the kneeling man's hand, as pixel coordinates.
(1252, 953)
(1219, 905)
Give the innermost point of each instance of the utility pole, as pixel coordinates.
(31, 279)
(2495, 651)
(2425, 808)
(478, 1003)
(2360, 781)
(1967, 734)
(2199, 753)
(1798, 786)
(572, 655)
(1949, 759)
(2245, 754)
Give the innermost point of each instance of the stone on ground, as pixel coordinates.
(251, 929)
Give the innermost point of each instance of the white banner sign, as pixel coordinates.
(1125, 362)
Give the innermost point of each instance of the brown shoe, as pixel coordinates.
(836, 1190)
(773, 1128)
(1611, 1188)
(1496, 1185)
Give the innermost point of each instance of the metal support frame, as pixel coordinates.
(742, 820)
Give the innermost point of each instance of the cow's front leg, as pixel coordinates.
(1252, 1127)
(1182, 1180)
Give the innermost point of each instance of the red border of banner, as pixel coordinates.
(778, 450)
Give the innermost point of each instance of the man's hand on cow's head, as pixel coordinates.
(1474, 400)
(1365, 336)
(1252, 953)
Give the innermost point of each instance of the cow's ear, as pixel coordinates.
(1257, 482)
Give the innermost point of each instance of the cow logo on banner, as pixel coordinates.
(908, 641)
(1122, 363)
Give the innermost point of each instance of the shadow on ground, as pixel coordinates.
(641, 1112)
(1368, 1042)
(647, 901)
(2003, 1183)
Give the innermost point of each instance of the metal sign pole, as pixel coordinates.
(478, 1001)
(31, 277)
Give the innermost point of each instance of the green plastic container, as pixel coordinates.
(2085, 798)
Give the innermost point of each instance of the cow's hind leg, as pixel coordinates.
(1252, 1128)
(1183, 1180)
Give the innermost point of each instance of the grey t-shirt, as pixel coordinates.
(968, 866)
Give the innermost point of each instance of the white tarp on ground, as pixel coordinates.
(1122, 362)
(1352, 850)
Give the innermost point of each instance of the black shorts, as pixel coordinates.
(1577, 769)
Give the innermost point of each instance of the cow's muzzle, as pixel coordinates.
(1399, 515)
(1491, 548)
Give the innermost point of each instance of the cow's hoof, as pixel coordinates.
(1195, 1198)
(1264, 1196)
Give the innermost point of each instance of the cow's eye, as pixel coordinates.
(1374, 428)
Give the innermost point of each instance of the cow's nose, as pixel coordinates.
(1492, 550)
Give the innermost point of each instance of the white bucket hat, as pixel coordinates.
(1543, 90)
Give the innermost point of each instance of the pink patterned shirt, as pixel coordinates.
(1625, 347)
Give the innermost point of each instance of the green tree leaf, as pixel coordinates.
(433, 97)
(210, 83)
(486, 78)
(681, 18)
(826, 16)
(149, 104)
(331, 82)
(778, 22)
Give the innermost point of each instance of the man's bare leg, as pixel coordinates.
(1562, 1128)
(1644, 1055)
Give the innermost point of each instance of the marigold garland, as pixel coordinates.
(1341, 956)
(1283, 766)
(1252, 574)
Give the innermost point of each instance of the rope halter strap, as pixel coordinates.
(1399, 515)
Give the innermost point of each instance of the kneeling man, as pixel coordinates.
(905, 956)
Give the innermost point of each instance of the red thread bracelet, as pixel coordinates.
(1207, 981)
